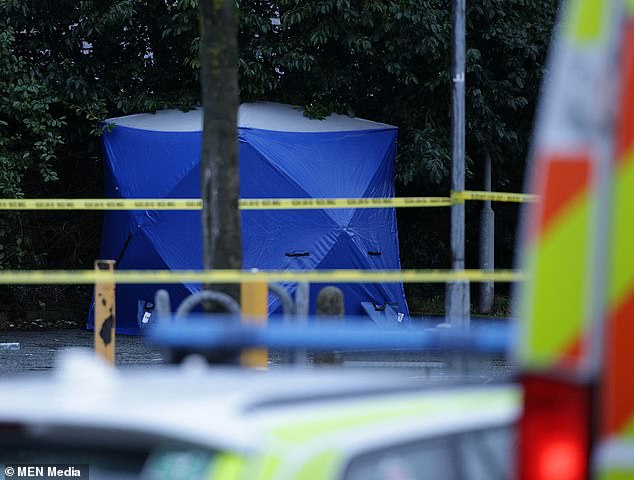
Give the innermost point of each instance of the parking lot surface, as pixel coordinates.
(38, 349)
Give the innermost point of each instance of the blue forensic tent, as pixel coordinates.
(282, 154)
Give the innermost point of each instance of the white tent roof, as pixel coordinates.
(261, 115)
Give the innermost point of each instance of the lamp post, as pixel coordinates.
(457, 300)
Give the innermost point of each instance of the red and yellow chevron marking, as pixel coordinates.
(618, 374)
(559, 251)
(557, 257)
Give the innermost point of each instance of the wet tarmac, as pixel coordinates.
(38, 349)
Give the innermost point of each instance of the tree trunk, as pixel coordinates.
(222, 245)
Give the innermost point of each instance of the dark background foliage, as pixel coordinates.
(66, 65)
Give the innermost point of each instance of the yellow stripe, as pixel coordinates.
(226, 466)
(101, 204)
(387, 410)
(585, 19)
(628, 429)
(196, 204)
(320, 467)
(347, 422)
(554, 301)
(257, 203)
(494, 196)
(622, 251)
(319, 203)
(616, 474)
(622, 272)
(266, 466)
(77, 277)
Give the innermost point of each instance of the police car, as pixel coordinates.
(575, 405)
(196, 422)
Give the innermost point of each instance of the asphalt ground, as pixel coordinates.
(38, 350)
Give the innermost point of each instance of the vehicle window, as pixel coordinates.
(475, 455)
(177, 464)
(487, 454)
(431, 459)
(152, 462)
(104, 463)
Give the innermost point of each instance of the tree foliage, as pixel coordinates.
(390, 61)
(65, 65)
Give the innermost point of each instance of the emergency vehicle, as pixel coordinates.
(577, 308)
(571, 415)
(194, 422)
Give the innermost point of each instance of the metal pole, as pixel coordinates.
(105, 313)
(457, 296)
(302, 306)
(255, 307)
(487, 244)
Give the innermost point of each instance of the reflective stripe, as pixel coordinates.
(323, 466)
(622, 277)
(70, 277)
(620, 352)
(586, 19)
(226, 466)
(101, 204)
(564, 303)
(618, 388)
(266, 466)
(494, 196)
(394, 409)
(319, 203)
(558, 268)
(615, 473)
(316, 442)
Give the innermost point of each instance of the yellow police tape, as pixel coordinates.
(493, 196)
(76, 277)
(101, 204)
(308, 203)
(196, 204)
(258, 203)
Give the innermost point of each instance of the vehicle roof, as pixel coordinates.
(237, 409)
(261, 115)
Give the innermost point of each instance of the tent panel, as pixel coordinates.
(139, 254)
(149, 164)
(262, 178)
(327, 164)
(347, 253)
(273, 164)
(176, 236)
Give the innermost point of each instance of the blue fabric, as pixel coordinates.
(150, 164)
